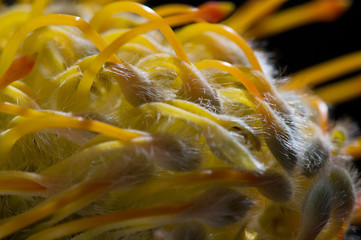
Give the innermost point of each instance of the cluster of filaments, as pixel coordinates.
(120, 127)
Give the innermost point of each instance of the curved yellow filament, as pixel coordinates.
(10, 20)
(13, 44)
(208, 12)
(315, 11)
(18, 182)
(10, 137)
(227, 67)
(94, 67)
(342, 91)
(45, 120)
(192, 30)
(250, 13)
(71, 196)
(114, 218)
(38, 7)
(81, 158)
(227, 176)
(110, 9)
(173, 9)
(21, 111)
(142, 40)
(325, 71)
(20, 96)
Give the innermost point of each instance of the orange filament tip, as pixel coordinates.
(251, 13)
(329, 10)
(318, 10)
(215, 11)
(20, 68)
(354, 148)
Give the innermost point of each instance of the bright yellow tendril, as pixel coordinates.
(74, 195)
(111, 219)
(207, 176)
(342, 91)
(173, 9)
(21, 111)
(110, 9)
(38, 7)
(104, 2)
(192, 30)
(208, 12)
(10, 137)
(140, 39)
(94, 67)
(318, 10)
(13, 44)
(325, 71)
(20, 183)
(250, 13)
(227, 67)
(10, 20)
(20, 97)
(157, 22)
(44, 120)
(146, 12)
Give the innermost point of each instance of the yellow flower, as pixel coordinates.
(119, 121)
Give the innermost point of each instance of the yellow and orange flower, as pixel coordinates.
(119, 121)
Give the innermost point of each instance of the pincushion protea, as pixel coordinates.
(115, 126)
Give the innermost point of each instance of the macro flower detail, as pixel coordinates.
(118, 121)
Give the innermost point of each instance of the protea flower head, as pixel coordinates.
(119, 121)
